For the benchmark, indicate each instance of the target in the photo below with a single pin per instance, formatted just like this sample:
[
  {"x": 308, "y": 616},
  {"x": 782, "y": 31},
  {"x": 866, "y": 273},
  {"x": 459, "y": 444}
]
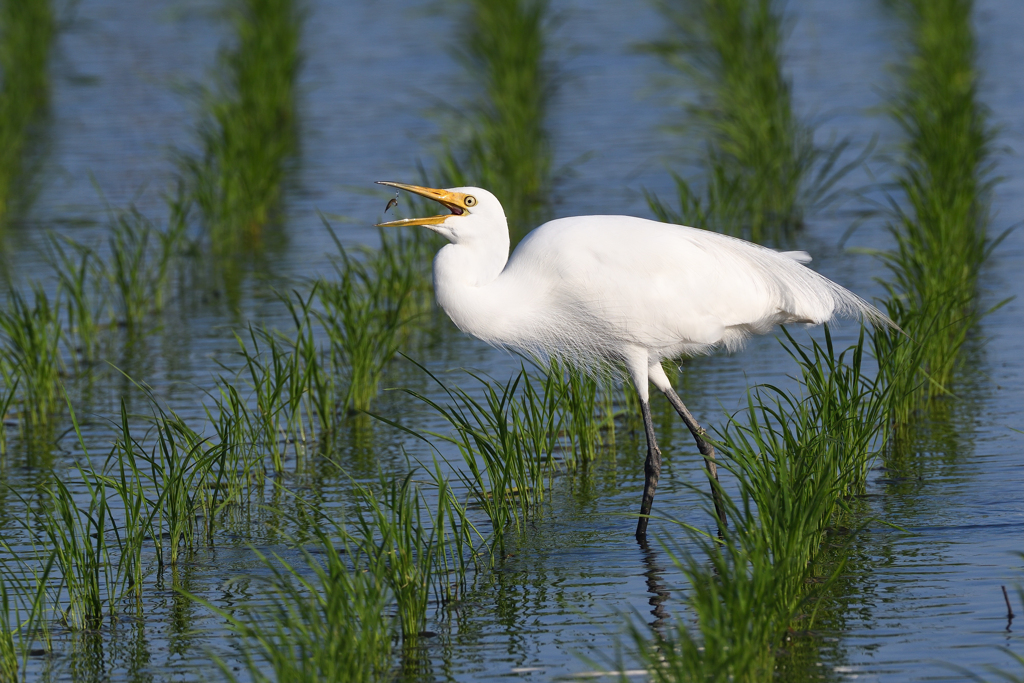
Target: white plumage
[
  {"x": 600, "y": 287},
  {"x": 593, "y": 290}
]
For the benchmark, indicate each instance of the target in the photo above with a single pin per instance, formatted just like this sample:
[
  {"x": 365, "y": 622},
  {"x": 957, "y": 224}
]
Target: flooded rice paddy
[{"x": 920, "y": 594}]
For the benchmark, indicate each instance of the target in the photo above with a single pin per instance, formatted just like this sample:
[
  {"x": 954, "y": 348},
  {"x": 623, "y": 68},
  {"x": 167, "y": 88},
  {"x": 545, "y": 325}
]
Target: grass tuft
[
  {"x": 23, "y": 606},
  {"x": 366, "y": 311},
  {"x": 31, "y": 361},
  {"x": 761, "y": 167},
  {"x": 27, "y": 29},
  {"x": 326, "y": 618},
  {"x": 505, "y": 146},
  {"x": 940, "y": 214},
  {"x": 250, "y": 127},
  {"x": 799, "y": 460}
]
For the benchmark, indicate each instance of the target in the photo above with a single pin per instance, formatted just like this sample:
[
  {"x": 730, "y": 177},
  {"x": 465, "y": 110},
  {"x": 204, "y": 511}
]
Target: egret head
[{"x": 474, "y": 213}]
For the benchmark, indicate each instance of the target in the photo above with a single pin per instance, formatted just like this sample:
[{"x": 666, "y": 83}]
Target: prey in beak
[{"x": 456, "y": 202}]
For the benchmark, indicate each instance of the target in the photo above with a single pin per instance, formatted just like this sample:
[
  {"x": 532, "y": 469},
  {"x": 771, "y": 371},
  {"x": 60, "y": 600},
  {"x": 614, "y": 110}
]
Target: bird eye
[{"x": 470, "y": 200}]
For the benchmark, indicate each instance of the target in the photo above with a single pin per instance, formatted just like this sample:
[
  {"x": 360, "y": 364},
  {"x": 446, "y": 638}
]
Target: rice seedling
[
  {"x": 509, "y": 438},
  {"x": 140, "y": 266},
  {"x": 157, "y": 506},
  {"x": 79, "y": 274},
  {"x": 578, "y": 394},
  {"x": 23, "y": 601},
  {"x": 30, "y": 356},
  {"x": 400, "y": 547},
  {"x": 798, "y": 460},
  {"x": 190, "y": 472},
  {"x": 940, "y": 214},
  {"x": 8, "y": 645},
  {"x": 506, "y": 146},
  {"x": 135, "y": 524},
  {"x": 577, "y": 405},
  {"x": 123, "y": 289},
  {"x": 505, "y": 478},
  {"x": 364, "y": 313},
  {"x": 294, "y": 393},
  {"x": 269, "y": 369},
  {"x": 178, "y": 473},
  {"x": 850, "y": 406},
  {"x": 319, "y": 391},
  {"x": 740, "y": 616},
  {"x": 78, "y": 537},
  {"x": 241, "y": 465},
  {"x": 249, "y": 128},
  {"x": 901, "y": 361},
  {"x": 27, "y": 28},
  {"x": 761, "y": 166},
  {"x": 794, "y": 478},
  {"x": 6, "y": 398},
  {"x": 455, "y": 544},
  {"x": 94, "y": 575},
  {"x": 327, "y": 618},
  {"x": 168, "y": 482},
  {"x": 539, "y": 418}
]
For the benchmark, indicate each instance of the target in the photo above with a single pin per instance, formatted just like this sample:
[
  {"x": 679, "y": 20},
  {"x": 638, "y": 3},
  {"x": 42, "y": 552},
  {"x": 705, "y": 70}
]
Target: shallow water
[{"x": 913, "y": 602}]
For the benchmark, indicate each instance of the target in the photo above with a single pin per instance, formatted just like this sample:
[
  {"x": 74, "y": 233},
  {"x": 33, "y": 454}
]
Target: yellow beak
[{"x": 453, "y": 200}]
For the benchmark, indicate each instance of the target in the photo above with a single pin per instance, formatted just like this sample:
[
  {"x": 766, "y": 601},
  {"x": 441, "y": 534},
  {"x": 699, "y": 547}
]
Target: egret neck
[{"x": 469, "y": 288}]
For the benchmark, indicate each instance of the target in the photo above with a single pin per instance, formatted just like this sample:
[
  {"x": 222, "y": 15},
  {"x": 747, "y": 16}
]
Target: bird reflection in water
[{"x": 654, "y": 574}]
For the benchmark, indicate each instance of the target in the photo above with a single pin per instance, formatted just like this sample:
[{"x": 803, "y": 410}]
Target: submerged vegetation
[
  {"x": 760, "y": 168},
  {"x": 27, "y": 29}
]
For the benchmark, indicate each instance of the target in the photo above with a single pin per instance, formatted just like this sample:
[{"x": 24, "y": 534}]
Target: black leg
[
  {"x": 652, "y": 470},
  {"x": 706, "y": 449}
]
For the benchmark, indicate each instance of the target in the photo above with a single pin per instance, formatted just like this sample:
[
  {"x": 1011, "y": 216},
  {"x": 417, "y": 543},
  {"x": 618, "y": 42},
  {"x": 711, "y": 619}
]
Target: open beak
[{"x": 453, "y": 201}]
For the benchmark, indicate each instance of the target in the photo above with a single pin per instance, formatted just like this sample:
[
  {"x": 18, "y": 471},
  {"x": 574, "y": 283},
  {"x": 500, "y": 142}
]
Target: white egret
[{"x": 593, "y": 290}]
